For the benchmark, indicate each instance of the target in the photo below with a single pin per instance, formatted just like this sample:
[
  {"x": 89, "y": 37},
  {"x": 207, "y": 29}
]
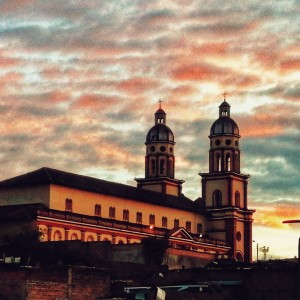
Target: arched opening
[
  {"x": 161, "y": 166},
  {"x": 152, "y": 166},
  {"x": 74, "y": 237},
  {"x": 139, "y": 217},
  {"x": 164, "y": 222},
  {"x": 152, "y": 220},
  {"x": 171, "y": 168},
  {"x": 69, "y": 205},
  {"x": 228, "y": 162},
  {"x": 188, "y": 226},
  {"x": 199, "y": 228},
  {"x": 239, "y": 257},
  {"x": 98, "y": 210},
  {"x": 217, "y": 199},
  {"x": 112, "y": 213},
  {"x": 176, "y": 223},
  {"x": 126, "y": 215},
  {"x": 90, "y": 238},
  {"x": 218, "y": 157},
  {"x": 237, "y": 199},
  {"x": 57, "y": 236}
]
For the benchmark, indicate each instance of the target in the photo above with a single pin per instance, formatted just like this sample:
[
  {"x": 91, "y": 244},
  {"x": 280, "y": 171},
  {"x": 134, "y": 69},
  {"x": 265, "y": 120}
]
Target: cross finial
[
  {"x": 160, "y": 102},
  {"x": 224, "y": 95}
]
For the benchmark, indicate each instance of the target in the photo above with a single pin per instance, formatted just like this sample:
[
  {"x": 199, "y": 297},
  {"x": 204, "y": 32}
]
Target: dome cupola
[
  {"x": 160, "y": 132},
  {"x": 224, "y": 125},
  {"x": 224, "y": 142},
  {"x": 160, "y": 158}
]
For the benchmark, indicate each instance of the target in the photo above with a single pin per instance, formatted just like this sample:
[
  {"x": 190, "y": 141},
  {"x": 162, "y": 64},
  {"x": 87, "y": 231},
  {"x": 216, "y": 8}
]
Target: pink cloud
[
  {"x": 137, "y": 85},
  {"x": 292, "y": 64},
  {"x": 195, "y": 72},
  {"x": 95, "y": 102}
]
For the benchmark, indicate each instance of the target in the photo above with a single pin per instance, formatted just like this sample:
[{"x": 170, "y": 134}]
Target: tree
[{"x": 22, "y": 242}]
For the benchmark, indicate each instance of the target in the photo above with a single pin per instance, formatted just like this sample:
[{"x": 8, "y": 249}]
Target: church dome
[
  {"x": 160, "y": 133},
  {"x": 224, "y": 125}
]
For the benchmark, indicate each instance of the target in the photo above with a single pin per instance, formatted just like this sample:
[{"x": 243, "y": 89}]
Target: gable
[{"x": 180, "y": 233}]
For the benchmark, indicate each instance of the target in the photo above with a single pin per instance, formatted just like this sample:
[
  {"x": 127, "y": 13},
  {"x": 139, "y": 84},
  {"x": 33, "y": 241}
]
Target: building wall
[
  {"x": 84, "y": 203},
  {"x": 211, "y": 186}
]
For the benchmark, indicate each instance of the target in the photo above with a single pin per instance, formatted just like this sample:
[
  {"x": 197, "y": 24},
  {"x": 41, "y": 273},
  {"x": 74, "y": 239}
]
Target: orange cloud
[
  {"x": 275, "y": 213},
  {"x": 195, "y": 72},
  {"x": 211, "y": 48},
  {"x": 58, "y": 97},
  {"x": 95, "y": 102},
  {"x": 292, "y": 64},
  {"x": 137, "y": 85}
]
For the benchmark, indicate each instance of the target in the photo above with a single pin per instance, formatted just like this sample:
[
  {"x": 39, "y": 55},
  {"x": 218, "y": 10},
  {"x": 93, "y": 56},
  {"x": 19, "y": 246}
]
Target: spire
[
  {"x": 160, "y": 115},
  {"x": 160, "y": 102},
  {"x": 224, "y": 108}
]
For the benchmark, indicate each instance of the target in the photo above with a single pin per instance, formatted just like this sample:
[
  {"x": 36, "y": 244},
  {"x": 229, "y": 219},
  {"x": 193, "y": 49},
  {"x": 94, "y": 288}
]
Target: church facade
[{"x": 66, "y": 206}]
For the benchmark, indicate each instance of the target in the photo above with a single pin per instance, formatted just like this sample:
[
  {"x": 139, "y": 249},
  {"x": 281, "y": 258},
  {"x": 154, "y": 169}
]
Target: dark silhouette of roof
[{"x": 47, "y": 176}]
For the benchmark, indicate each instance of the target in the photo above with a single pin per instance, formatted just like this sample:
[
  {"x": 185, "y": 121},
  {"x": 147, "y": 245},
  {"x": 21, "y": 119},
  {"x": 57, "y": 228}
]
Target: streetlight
[{"x": 256, "y": 251}]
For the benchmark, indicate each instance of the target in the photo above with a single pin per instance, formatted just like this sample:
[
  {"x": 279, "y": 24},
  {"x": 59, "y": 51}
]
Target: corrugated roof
[{"x": 52, "y": 176}]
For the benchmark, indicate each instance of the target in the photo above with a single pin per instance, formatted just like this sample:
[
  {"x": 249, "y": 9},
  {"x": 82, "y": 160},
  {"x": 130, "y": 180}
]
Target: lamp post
[{"x": 256, "y": 251}]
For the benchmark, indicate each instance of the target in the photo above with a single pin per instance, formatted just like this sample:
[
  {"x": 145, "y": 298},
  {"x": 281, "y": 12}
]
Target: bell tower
[
  {"x": 160, "y": 158},
  {"x": 224, "y": 188}
]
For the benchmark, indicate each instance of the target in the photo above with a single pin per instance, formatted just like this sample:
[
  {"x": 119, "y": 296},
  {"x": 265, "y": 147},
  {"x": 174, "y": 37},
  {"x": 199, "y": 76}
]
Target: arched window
[
  {"x": 162, "y": 166},
  {"x": 218, "y": 162},
  {"x": 199, "y": 228},
  {"x": 153, "y": 166},
  {"x": 139, "y": 217},
  {"x": 69, "y": 205},
  {"x": 176, "y": 223},
  {"x": 112, "y": 213},
  {"x": 237, "y": 199},
  {"x": 90, "y": 238},
  {"x": 57, "y": 236},
  {"x": 171, "y": 168},
  {"x": 126, "y": 215},
  {"x": 164, "y": 222},
  {"x": 74, "y": 237},
  {"x": 152, "y": 220},
  {"x": 217, "y": 198},
  {"x": 228, "y": 162},
  {"x": 239, "y": 257},
  {"x": 188, "y": 226},
  {"x": 98, "y": 210}
]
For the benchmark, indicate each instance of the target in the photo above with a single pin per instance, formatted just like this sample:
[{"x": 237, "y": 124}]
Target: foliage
[{"x": 22, "y": 242}]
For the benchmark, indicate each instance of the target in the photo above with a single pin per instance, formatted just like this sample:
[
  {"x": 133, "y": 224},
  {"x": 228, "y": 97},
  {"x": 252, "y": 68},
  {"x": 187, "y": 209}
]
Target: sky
[{"x": 80, "y": 82}]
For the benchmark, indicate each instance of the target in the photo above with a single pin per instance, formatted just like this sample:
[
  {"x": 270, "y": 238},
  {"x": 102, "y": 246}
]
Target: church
[{"x": 66, "y": 206}]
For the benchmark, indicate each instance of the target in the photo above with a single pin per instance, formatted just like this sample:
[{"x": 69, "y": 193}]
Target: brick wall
[{"x": 53, "y": 283}]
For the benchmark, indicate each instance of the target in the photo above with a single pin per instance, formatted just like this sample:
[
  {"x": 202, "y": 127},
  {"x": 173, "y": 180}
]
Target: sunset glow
[{"x": 80, "y": 82}]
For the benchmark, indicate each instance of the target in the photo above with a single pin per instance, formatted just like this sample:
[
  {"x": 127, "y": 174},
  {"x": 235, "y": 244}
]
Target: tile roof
[{"x": 52, "y": 176}]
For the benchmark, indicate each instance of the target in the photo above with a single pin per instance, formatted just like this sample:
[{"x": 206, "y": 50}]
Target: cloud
[{"x": 80, "y": 82}]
